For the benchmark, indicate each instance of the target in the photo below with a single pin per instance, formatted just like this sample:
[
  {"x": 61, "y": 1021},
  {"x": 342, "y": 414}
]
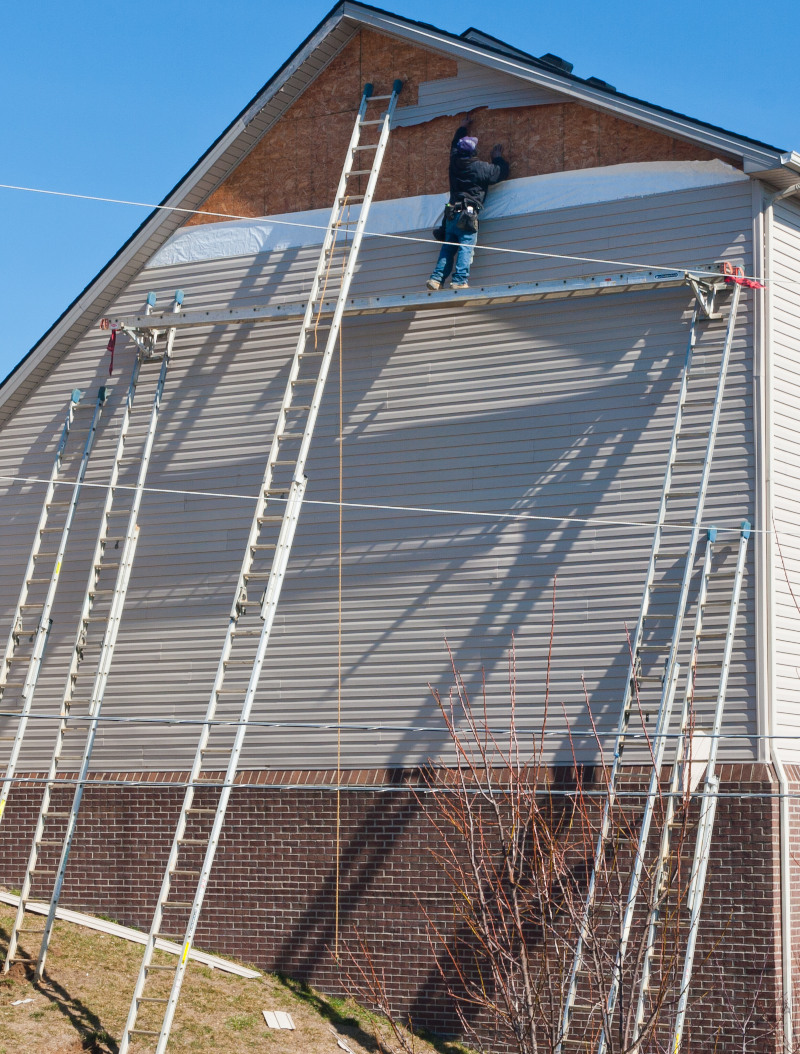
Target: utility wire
[
  {"x": 374, "y": 506},
  {"x": 381, "y": 234}
]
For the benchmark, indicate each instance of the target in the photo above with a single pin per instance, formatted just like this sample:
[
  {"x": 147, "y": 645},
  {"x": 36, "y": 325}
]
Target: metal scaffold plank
[{"x": 705, "y": 278}]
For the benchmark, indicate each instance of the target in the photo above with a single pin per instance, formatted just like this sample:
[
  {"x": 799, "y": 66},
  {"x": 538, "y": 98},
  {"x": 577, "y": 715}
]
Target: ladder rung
[
  {"x": 193, "y": 841},
  {"x": 359, "y": 172},
  {"x": 178, "y": 937},
  {"x": 344, "y": 201},
  {"x": 364, "y": 124},
  {"x": 154, "y": 966},
  {"x": 205, "y": 812},
  {"x": 151, "y": 999},
  {"x": 367, "y": 146},
  {"x": 176, "y": 903},
  {"x": 378, "y": 98},
  {"x": 142, "y": 1032}
]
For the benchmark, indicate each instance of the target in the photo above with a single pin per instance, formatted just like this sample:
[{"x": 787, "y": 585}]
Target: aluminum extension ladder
[
  {"x": 654, "y": 669},
  {"x": 31, "y": 622},
  {"x": 263, "y": 569},
  {"x": 682, "y": 788},
  {"x": 103, "y": 603}
]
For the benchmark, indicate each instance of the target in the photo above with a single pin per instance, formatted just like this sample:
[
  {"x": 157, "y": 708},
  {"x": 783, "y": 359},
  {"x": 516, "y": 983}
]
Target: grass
[{"x": 83, "y": 1003}]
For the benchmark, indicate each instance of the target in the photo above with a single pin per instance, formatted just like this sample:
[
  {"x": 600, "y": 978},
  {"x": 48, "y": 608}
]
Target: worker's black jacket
[{"x": 469, "y": 177}]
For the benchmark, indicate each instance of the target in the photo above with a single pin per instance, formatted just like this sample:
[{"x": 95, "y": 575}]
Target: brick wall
[{"x": 272, "y": 897}]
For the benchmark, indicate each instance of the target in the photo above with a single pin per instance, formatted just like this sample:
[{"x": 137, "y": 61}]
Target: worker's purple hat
[{"x": 468, "y": 144}]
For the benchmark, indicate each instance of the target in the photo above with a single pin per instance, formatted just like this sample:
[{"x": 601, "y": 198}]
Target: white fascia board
[
  {"x": 601, "y": 100},
  {"x": 275, "y": 87}
]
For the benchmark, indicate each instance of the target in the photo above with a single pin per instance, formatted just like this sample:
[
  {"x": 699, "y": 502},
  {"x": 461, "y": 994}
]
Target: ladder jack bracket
[{"x": 705, "y": 295}]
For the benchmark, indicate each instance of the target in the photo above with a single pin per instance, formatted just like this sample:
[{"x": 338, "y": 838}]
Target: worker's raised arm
[
  {"x": 461, "y": 131},
  {"x": 499, "y": 165}
]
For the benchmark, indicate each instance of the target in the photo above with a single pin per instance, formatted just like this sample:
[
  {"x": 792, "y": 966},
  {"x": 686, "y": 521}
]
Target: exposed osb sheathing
[{"x": 297, "y": 164}]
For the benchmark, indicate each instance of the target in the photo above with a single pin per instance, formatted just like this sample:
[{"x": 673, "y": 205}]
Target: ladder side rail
[
  {"x": 710, "y": 797},
  {"x": 114, "y": 621},
  {"x": 347, "y": 277},
  {"x": 622, "y": 725},
  {"x": 665, "y": 706},
  {"x": 282, "y": 552},
  {"x": 296, "y": 489},
  {"x": 37, "y": 538},
  {"x": 675, "y": 794},
  {"x": 109, "y": 641},
  {"x": 695, "y": 899},
  {"x": 43, "y": 628}
]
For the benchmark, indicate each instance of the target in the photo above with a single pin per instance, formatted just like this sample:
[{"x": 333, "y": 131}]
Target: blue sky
[{"x": 119, "y": 100}]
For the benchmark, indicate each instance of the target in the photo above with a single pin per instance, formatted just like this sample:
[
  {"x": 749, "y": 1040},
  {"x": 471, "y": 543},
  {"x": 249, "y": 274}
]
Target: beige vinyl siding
[
  {"x": 561, "y": 411},
  {"x": 785, "y": 345}
]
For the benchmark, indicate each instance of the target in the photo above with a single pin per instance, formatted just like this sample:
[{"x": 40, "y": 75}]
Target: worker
[{"x": 469, "y": 181}]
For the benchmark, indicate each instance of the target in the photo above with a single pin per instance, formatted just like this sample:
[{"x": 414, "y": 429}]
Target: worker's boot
[
  {"x": 459, "y": 285},
  {"x": 434, "y": 284}
]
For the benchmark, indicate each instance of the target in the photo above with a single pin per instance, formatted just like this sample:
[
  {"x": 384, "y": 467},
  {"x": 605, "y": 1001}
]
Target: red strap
[
  {"x": 749, "y": 283},
  {"x": 112, "y": 340}
]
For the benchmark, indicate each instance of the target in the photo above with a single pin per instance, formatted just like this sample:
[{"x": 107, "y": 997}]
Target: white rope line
[
  {"x": 395, "y": 237},
  {"x": 374, "y": 506}
]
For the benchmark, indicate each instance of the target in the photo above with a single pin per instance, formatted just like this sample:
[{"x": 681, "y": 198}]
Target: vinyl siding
[
  {"x": 560, "y": 412},
  {"x": 474, "y": 86},
  {"x": 785, "y": 345}
]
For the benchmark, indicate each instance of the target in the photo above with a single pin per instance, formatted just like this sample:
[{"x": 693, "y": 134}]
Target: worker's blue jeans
[{"x": 460, "y": 253}]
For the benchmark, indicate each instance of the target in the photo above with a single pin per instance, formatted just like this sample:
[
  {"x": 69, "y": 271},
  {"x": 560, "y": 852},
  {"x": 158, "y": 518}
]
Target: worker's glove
[{"x": 497, "y": 151}]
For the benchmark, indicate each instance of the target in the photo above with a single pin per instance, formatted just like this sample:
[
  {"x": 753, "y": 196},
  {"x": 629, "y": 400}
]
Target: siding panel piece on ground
[{"x": 548, "y": 417}]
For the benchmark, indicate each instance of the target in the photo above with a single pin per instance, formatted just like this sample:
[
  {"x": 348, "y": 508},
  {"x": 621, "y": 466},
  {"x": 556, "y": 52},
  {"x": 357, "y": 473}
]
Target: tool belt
[{"x": 466, "y": 217}]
